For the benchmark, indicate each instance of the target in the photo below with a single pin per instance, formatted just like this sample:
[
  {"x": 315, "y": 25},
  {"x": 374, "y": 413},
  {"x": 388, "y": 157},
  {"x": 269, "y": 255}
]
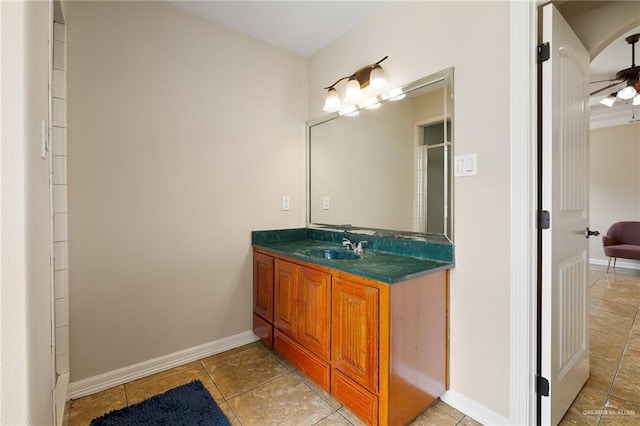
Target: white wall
[
  {"x": 182, "y": 138},
  {"x": 422, "y": 38},
  {"x": 615, "y": 181},
  {"x": 25, "y": 306}
]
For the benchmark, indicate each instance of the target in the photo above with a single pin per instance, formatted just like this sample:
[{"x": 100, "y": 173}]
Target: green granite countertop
[{"x": 384, "y": 259}]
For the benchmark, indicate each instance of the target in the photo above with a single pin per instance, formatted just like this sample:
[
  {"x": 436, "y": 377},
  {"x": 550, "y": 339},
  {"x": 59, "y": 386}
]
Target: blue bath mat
[{"x": 186, "y": 405}]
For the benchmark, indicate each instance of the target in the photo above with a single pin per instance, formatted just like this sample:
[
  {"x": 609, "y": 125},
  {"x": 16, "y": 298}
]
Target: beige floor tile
[
  {"x": 586, "y": 408},
  {"x": 605, "y": 354},
  {"x": 468, "y": 421},
  {"x": 148, "y": 379},
  {"x": 634, "y": 337},
  {"x": 317, "y": 389},
  {"x": 352, "y": 418},
  {"x": 615, "y": 303},
  {"x": 231, "y": 415},
  {"x": 627, "y": 382},
  {"x": 85, "y": 409},
  {"x": 595, "y": 275},
  {"x": 434, "y": 417},
  {"x": 240, "y": 371},
  {"x": 600, "y": 377},
  {"x": 620, "y": 413},
  {"x": 335, "y": 419},
  {"x": 610, "y": 328},
  {"x": 137, "y": 392},
  {"x": 284, "y": 401},
  {"x": 447, "y": 409}
]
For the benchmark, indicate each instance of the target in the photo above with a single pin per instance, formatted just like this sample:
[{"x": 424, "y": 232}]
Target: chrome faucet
[{"x": 356, "y": 248}]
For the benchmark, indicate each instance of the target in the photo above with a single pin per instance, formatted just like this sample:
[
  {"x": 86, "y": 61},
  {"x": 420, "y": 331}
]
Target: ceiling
[{"x": 305, "y": 27}]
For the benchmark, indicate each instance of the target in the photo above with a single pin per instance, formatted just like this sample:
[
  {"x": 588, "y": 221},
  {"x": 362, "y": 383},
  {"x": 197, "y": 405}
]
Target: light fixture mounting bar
[{"x": 362, "y": 75}]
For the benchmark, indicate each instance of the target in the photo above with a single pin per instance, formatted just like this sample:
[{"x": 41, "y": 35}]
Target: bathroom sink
[{"x": 333, "y": 254}]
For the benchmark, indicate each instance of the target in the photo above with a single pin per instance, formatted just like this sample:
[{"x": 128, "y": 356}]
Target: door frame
[{"x": 523, "y": 24}]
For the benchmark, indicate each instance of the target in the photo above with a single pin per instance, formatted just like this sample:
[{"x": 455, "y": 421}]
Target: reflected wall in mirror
[{"x": 388, "y": 168}]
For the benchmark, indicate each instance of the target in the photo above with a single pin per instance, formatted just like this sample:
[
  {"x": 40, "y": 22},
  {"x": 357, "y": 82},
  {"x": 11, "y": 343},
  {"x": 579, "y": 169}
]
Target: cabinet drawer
[
  {"x": 263, "y": 329},
  {"x": 360, "y": 401},
  {"x": 318, "y": 370}
]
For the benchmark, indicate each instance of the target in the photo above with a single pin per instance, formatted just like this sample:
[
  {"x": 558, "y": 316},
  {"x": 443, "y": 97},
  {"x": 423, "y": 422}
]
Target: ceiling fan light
[
  {"x": 332, "y": 101},
  {"x": 636, "y": 100},
  {"x": 609, "y": 100},
  {"x": 377, "y": 78},
  {"x": 627, "y": 93},
  {"x": 352, "y": 92}
]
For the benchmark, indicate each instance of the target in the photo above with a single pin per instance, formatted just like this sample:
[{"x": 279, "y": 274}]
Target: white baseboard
[
  {"x": 620, "y": 263},
  {"x": 473, "y": 409},
  {"x": 123, "y": 375},
  {"x": 60, "y": 397}
]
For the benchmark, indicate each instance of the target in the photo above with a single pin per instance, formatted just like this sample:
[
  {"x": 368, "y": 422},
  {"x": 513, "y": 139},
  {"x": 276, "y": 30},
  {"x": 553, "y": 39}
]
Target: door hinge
[
  {"x": 542, "y": 386},
  {"x": 544, "y": 219},
  {"x": 544, "y": 52}
]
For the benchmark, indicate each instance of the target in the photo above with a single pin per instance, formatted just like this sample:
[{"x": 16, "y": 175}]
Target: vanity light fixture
[{"x": 369, "y": 75}]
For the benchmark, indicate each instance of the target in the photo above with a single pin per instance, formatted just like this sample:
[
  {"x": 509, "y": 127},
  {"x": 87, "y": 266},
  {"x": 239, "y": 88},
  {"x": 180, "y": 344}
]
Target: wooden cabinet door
[
  {"x": 314, "y": 311},
  {"x": 355, "y": 334},
  {"x": 286, "y": 298},
  {"x": 263, "y": 286}
]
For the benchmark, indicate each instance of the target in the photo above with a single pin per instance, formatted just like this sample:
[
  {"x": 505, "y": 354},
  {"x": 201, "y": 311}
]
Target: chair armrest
[{"x": 608, "y": 241}]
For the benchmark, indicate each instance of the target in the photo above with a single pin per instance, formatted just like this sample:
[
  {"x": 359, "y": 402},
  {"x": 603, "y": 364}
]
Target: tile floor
[
  {"x": 611, "y": 396},
  {"x": 255, "y": 386}
]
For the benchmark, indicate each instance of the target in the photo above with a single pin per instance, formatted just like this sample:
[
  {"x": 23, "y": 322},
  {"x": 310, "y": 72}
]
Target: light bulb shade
[
  {"x": 352, "y": 92},
  {"x": 609, "y": 100},
  {"x": 377, "y": 78},
  {"x": 636, "y": 100},
  {"x": 627, "y": 93},
  {"x": 332, "y": 101}
]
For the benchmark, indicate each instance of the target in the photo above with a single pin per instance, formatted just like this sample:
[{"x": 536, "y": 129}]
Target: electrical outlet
[
  {"x": 285, "y": 202},
  {"x": 326, "y": 203}
]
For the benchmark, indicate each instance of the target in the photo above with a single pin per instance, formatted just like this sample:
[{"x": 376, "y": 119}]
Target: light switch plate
[
  {"x": 285, "y": 203},
  {"x": 326, "y": 203},
  {"x": 465, "y": 165}
]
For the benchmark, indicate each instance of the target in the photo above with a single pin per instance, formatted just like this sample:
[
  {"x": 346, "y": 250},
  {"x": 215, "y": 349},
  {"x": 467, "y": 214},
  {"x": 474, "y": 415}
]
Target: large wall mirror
[{"x": 388, "y": 169}]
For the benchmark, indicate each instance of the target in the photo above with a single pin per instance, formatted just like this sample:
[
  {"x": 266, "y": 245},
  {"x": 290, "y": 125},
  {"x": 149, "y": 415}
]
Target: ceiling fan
[{"x": 629, "y": 76}]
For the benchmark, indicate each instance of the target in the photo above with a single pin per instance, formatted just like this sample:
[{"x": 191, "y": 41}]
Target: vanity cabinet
[{"x": 378, "y": 348}]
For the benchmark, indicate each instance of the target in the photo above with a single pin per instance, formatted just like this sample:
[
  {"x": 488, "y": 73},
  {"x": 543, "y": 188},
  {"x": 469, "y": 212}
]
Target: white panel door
[{"x": 565, "y": 194}]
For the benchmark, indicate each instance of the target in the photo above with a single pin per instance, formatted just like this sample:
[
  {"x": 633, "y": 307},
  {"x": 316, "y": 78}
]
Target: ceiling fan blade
[
  {"x": 604, "y": 81},
  {"x": 605, "y": 88}
]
